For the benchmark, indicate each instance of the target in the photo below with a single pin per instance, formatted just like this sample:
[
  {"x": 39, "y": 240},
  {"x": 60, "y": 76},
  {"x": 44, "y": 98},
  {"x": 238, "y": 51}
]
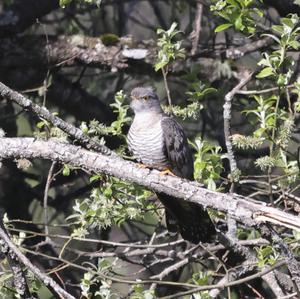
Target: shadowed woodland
[{"x": 79, "y": 217}]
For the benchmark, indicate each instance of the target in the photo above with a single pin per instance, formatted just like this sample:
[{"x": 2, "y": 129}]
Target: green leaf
[
  {"x": 297, "y": 2},
  {"x": 294, "y": 44},
  {"x": 239, "y": 23},
  {"x": 66, "y": 170},
  {"x": 278, "y": 28},
  {"x": 223, "y": 27},
  {"x": 63, "y": 3},
  {"x": 266, "y": 72}
]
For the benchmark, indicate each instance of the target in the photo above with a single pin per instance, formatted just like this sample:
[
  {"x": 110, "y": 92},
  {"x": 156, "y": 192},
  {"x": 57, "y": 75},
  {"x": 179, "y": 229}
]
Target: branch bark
[
  {"x": 49, "y": 282},
  {"x": 19, "y": 277},
  {"x": 249, "y": 212},
  {"x": 126, "y": 54},
  {"x": 43, "y": 113}
]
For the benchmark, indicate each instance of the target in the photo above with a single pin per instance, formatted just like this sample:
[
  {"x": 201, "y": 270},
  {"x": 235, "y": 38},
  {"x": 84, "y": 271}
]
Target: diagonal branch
[
  {"x": 249, "y": 212},
  {"x": 49, "y": 282},
  {"x": 44, "y": 113},
  {"x": 19, "y": 277}
]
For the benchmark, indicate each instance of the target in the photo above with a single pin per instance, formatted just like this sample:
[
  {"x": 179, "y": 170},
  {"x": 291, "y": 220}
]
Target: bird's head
[{"x": 144, "y": 99}]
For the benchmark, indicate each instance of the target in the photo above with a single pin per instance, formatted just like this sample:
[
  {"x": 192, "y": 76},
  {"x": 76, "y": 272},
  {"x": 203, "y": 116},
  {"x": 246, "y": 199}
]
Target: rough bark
[{"x": 244, "y": 210}]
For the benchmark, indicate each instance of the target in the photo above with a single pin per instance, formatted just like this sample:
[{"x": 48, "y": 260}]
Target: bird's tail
[{"x": 191, "y": 220}]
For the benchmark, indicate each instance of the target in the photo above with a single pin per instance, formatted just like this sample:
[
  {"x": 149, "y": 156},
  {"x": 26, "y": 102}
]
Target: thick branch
[
  {"x": 244, "y": 210},
  {"x": 237, "y": 52},
  {"x": 124, "y": 54}
]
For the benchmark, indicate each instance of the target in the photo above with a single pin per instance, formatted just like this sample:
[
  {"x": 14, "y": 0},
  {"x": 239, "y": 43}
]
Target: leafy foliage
[
  {"x": 112, "y": 203},
  {"x": 207, "y": 164},
  {"x": 169, "y": 50},
  {"x": 95, "y": 128},
  {"x": 267, "y": 255},
  {"x": 274, "y": 124},
  {"x": 197, "y": 92},
  {"x": 240, "y": 14},
  {"x": 278, "y": 64},
  {"x": 92, "y": 280},
  {"x": 64, "y": 3}
]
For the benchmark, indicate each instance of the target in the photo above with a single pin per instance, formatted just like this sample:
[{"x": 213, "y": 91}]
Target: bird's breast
[{"x": 146, "y": 142}]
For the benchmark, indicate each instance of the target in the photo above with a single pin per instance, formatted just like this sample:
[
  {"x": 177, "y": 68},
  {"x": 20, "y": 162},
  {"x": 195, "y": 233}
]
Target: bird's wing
[
  {"x": 192, "y": 220},
  {"x": 177, "y": 149}
]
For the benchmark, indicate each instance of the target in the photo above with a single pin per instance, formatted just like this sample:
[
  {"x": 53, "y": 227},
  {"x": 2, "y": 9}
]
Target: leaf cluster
[
  {"x": 95, "y": 128},
  {"x": 208, "y": 162},
  {"x": 240, "y": 14},
  {"x": 267, "y": 255},
  {"x": 112, "y": 203},
  {"x": 64, "y": 3},
  {"x": 197, "y": 92},
  {"x": 277, "y": 64},
  {"x": 168, "y": 49},
  {"x": 92, "y": 285}
]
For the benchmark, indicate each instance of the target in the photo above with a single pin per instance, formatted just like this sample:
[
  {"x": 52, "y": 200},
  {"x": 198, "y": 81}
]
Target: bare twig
[
  {"x": 165, "y": 73},
  {"x": 237, "y": 52},
  {"x": 227, "y": 118},
  {"x": 229, "y": 284},
  {"x": 45, "y": 201},
  {"x": 267, "y": 90}
]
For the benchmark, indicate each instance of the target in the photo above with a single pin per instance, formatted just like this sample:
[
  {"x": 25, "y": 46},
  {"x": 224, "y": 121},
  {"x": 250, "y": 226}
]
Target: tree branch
[
  {"x": 49, "y": 282},
  {"x": 247, "y": 211},
  {"x": 43, "y": 113},
  {"x": 19, "y": 277}
]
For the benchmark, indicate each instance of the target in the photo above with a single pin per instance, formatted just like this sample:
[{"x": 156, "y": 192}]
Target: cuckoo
[{"x": 158, "y": 141}]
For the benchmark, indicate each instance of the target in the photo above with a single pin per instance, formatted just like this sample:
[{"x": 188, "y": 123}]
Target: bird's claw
[{"x": 167, "y": 171}]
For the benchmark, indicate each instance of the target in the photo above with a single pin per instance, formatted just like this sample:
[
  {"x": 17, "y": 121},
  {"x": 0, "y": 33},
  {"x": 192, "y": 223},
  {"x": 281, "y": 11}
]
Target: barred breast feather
[{"x": 146, "y": 141}]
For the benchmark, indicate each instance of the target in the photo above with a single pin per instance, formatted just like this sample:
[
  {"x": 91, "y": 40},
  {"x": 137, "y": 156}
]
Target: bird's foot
[
  {"x": 167, "y": 171},
  {"x": 140, "y": 165}
]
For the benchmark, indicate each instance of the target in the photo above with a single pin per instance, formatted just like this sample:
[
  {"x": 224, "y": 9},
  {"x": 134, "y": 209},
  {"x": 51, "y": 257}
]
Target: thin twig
[
  {"x": 165, "y": 73},
  {"x": 227, "y": 118},
  {"x": 267, "y": 90},
  {"x": 45, "y": 200},
  {"x": 229, "y": 284}
]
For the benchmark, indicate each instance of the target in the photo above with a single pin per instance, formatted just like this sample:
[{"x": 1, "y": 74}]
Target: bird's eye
[{"x": 145, "y": 98}]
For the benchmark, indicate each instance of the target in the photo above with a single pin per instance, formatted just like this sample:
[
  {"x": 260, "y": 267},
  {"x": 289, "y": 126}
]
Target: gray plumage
[{"x": 159, "y": 142}]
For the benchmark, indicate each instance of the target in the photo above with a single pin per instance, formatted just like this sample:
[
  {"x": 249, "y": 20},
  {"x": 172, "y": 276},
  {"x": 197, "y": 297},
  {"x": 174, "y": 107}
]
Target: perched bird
[{"x": 158, "y": 141}]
